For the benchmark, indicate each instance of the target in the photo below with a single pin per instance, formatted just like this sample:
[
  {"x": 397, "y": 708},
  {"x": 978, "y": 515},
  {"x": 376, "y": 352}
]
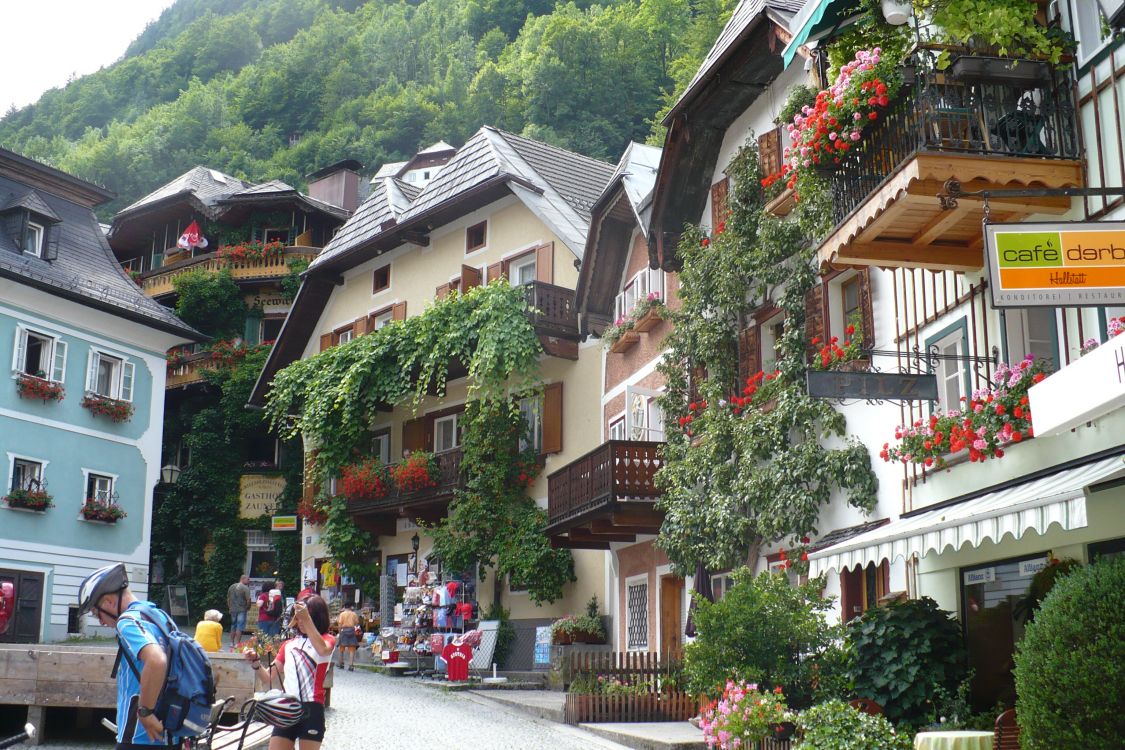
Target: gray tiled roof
[
  {"x": 209, "y": 186},
  {"x": 32, "y": 202},
  {"x": 85, "y": 268},
  {"x": 273, "y": 186},
  {"x": 473, "y": 163},
  {"x": 577, "y": 178}
]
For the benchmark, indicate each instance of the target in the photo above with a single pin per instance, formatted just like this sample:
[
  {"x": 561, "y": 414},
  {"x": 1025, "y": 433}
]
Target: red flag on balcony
[{"x": 192, "y": 237}]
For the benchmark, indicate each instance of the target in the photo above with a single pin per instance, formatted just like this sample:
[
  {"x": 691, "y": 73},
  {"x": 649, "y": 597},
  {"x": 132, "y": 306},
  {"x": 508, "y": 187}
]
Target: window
[
  {"x": 99, "y": 488},
  {"x": 617, "y": 429},
  {"x": 861, "y": 589},
  {"x": 381, "y": 446},
  {"x": 270, "y": 329},
  {"x": 849, "y": 300},
  {"x": 382, "y": 280},
  {"x": 344, "y": 335},
  {"x": 262, "y": 453},
  {"x": 644, "y": 283},
  {"x": 1090, "y": 29},
  {"x": 636, "y": 608},
  {"x": 531, "y": 411},
  {"x": 476, "y": 237},
  {"x": 447, "y": 434},
  {"x": 109, "y": 376},
  {"x": 522, "y": 270},
  {"x": 1107, "y": 550},
  {"x": 1031, "y": 330},
  {"x": 375, "y": 321},
  {"x": 951, "y": 345},
  {"x": 40, "y": 355},
  {"x": 272, "y": 234},
  {"x": 721, "y": 584},
  {"x": 772, "y": 331},
  {"x": 26, "y": 474},
  {"x": 33, "y": 239}
]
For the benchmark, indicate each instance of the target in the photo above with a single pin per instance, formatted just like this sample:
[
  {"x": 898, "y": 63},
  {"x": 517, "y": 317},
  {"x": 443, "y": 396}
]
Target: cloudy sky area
[{"x": 61, "y": 38}]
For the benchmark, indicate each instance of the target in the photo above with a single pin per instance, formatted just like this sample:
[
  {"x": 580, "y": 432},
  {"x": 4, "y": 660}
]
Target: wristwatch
[{"x": 144, "y": 712}]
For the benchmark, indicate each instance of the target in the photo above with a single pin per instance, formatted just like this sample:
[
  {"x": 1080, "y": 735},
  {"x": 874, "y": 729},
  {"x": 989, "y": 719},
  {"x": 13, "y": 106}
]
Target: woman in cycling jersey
[{"x": 300, "y": 667}]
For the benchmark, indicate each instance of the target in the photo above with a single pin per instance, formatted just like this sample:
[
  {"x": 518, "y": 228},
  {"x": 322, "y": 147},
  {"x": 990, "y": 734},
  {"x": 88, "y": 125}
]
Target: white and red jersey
[{"x": 303, "y": 669}]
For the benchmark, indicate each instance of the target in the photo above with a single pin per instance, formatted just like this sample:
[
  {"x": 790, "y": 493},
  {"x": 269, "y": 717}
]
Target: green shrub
[
  {"x": 505, "y": 636},
  {"x": 903, "y": 653},
  {"x": 764, "y": 631},
  {"x": 837, "y": 726},
  {"x": 1070, "y": 665}
]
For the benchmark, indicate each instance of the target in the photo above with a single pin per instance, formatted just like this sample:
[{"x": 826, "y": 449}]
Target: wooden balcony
[
  {"x": 607, "y": 495},
  {"x": 159, "y": 283},
  {"x": 429, "y": 504},
  {"x": 555, "y": 318},
  {"x": 189, "y": 371},
  {"x": 985, "y": 130}
]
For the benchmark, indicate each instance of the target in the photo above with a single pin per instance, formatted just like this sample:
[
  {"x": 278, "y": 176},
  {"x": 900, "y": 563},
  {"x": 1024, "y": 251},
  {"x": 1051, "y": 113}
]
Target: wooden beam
[
  {"x": 925, "y": 192},
  {"x": 561, "y": 542},
  {"x": 608, "y": 527},
  {"x": 940, "y": 224},
  {"x": 416, "y": 238},
  {"x": 637, "y": 517},
  {"x": 908, "y": 255},
  {"x": 581, "y": 535}
]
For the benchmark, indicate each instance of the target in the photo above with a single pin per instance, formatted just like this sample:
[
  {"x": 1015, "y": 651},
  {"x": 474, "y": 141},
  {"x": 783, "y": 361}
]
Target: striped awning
[{"x": 1058, "y": 498}]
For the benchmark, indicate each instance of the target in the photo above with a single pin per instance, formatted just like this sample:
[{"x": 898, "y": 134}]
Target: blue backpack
[{"x": 184, "y": 703}]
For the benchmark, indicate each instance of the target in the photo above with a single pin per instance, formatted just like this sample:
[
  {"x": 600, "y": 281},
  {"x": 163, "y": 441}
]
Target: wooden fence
[
  {"x": 618, "y": 708},
  {"x": 654, "y": 683}
]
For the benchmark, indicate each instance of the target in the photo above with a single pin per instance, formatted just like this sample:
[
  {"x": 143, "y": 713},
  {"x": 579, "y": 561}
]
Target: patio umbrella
[{"x": 703, "y": 588}]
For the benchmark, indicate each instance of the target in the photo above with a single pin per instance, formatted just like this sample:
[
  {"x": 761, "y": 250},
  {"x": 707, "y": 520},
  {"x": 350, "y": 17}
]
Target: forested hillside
[{"x": 277, "y": 88}]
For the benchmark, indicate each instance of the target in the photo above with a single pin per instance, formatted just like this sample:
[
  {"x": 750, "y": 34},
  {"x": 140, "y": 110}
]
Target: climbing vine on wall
[{"x": 741, "y": 470}]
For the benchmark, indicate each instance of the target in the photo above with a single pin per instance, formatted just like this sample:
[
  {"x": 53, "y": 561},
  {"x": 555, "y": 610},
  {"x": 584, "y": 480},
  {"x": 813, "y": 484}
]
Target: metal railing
[
  {"x": 615, "y": 470},
  {"x": 557, "y": 314},
  {"x": 978, "y": 106}
]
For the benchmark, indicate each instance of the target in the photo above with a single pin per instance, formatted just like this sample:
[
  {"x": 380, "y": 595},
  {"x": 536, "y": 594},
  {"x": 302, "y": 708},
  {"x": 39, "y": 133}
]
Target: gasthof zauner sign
[
  {"x": 1056, "y": 264},
  {"x": 259, "y": 493}
]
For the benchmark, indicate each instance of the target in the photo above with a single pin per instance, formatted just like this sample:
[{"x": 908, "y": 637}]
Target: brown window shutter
[
  {"x": 398, "y": 311},
  {"x": 495, "y": 271},
  {"x": 470, "y": 277},
  {"x": 553, "y": 418},
  {"x": 749, "y": 355},
  {"x": 442, "y": 291},
  {"x": 769, "y": 151},
  {"x": 814, "y": 316},
  {"x": 851, "y": 594},
  {"x": 309, "y": 488},
  {"x": 867, "y": 311},
  {"x": 545, "y": 263},
  {"x": 326, "y": 341},
  {"x": 359, "y": 327},
  {"x": 719, "y": 201},
  {"x": 414, "y": 435}
]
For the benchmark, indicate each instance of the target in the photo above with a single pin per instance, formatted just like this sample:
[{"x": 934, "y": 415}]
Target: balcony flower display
[
  {"x": 175, "y": 358},
  {"x": 116, "y": 409},
  {"x": 831, "y": 355},
  {"x": 366, "y": 480},
  {"x": 252, "y": 252},
  {"x": 38, "y": 500},
  {"x": 97, "y": 510},
  {"x": 993, "y": 419},
  {"x": 822, "y": 134},
  {"x": 640, "y": 318},
  {"x": 743, "y": 716},
  {"x": 32, "y": 386},
  {"x": 417, "y": 472},
  {"x": 612, "y": 334},
  {"x": 1114, "y": 327},
  {"x": 309, "y": 510}
]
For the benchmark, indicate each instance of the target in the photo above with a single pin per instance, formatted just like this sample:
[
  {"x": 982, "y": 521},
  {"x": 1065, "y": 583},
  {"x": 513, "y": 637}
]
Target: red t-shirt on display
[{"x": 457, "y": 660}]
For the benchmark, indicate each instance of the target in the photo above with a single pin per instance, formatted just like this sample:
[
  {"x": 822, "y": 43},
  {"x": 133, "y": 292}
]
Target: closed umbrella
[{"x": 703, "y": 588}]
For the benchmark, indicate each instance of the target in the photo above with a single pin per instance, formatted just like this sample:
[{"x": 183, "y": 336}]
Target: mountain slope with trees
[{"x": 267, "y": 89}]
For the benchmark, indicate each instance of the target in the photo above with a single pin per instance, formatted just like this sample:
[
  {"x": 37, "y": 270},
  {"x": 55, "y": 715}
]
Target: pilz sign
[
  {"x": 871, "y": 386},
  {"x": 1059, "y": 264}
]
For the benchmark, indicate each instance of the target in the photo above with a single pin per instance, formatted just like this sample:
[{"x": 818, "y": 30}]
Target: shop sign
[
  {"x": 1056, "y": 264},
  {"x": 283, "y": 523},
  {"x": 1031, "y": 567},
  {"x": 871, "y": 386},
  {"x": 258, "y": 493},
  {"x": 981, "y": 575},
  {"x": 1089, "y": 387},
  {"x": 406, "y": 524},
  {"x": 543, "y": 645}
]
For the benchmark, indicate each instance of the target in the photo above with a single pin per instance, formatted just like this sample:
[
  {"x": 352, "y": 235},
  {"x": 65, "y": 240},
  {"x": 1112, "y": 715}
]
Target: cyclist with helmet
[
  {"x": 300, "y": 666},
  {"x": 105, "y": 593}
]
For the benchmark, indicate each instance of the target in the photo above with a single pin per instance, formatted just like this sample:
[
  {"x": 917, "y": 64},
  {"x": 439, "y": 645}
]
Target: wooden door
[
  {"x": 671, "y": 615},
  {"x": 24, "y": 625}
]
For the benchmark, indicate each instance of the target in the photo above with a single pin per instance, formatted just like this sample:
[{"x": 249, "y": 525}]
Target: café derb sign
[
  {"x": 1056, "y": 264},
  {"x": 871, "y": 386}
]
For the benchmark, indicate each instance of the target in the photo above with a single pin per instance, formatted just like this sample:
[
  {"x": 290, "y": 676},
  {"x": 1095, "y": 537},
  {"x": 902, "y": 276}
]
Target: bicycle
[{"x": 27, "y": 734}]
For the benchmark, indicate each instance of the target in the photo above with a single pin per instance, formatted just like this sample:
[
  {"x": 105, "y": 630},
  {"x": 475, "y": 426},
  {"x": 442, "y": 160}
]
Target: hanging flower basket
[
  {"x": 30, "y": 386},
  {"x": 417, "y": 472},
  {"x": 36, "y": 500},
  {"x": 624, "y": 342},
  {"x": 366, "y": 480},
  {"x": 95, "y": 510},
  {"x": 311, "y": 511},
  {"x": 115, "y": 409}
]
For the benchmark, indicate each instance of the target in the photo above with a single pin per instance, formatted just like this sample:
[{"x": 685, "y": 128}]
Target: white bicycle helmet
[
  {"x": 278, "y": 709},
  {"x": 111, "y": 579}
]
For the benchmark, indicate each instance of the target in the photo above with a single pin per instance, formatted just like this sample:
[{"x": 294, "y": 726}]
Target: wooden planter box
[
  {"x": 580, "y": 709},
  {"x": 626, "y": 342},
  {"x": 648, "y": 321},
  {"x": 999, "y": 70}
]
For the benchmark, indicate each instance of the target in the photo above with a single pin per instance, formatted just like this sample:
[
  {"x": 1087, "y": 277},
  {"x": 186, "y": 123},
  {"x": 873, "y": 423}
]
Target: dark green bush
[
  {"x": 903, "y": 653},
  {"x": 765, "y": 631},
  {"x": 1070, "y": 665},
  {"x": 835, "y": 725}
]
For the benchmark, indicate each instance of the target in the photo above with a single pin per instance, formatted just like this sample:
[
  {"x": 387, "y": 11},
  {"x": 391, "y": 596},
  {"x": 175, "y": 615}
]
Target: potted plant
[
  {"x": 743, "y": 716},
  {"x": 38, "y": 386},
  {"x": 116, "y": 409},
  {"x": 620, "y": 336},
  {"x": 37, "y": 500},
  {"x": 1008, "y": 31},
  {"x": 588, "y": 628},
  {"x": 648, "y": 312},
  {"x": 563, "y": 630},
  {"x": 104, "y": 511},
  {"x": 366, "y": 480}
]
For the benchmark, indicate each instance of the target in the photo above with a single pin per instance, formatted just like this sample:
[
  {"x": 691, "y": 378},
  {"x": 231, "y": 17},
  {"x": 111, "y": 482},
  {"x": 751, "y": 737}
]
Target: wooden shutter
[
  {"x": 398, "y": 311},
  {"x": 749, "y": 355},
  {"x": 814, "y": 316},
  {"x": 851, "y": 594},
  {"x": 545, "y": 263},
  {"x": 414, "y": 435},
  {"x": 495, "y": 271},
  {"x": 470, "y": 277},
  {"x": 442, "y": 291},
  {"x": 553, "y": 418},
  {"x": 867, "y": 311},
  {"x": 719, "y": 202},
  {"x": 769, "y": 151},
  {"x": 325, "y": 341},
  {"x": 359, "y": 327},
  {"x": 51, "y": 234}
]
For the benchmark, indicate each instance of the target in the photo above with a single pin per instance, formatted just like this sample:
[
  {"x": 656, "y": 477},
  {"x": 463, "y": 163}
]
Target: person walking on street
[
  {"x": 105, "y": 592},
  {"x": 209, "y": 631},
  {"x": 301, "y": 665},
  {"x": 270, "y": 607},
  {"x": 348, "y": 621},
  {"x": 238, "y": 604}
]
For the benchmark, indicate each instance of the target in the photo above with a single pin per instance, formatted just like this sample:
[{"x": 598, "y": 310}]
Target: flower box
[
  {"x": 626, "y": 342},
  {"x": 115, "y": 409},
  {"x": 783, "y": 204},
  {"x": 94, "y": 510},
  {"x": 36, "y": 501},
  {"x": 30, "y": 386},
  {"x": 998, "y": 70},
  {"x": 648, "y": 321}
]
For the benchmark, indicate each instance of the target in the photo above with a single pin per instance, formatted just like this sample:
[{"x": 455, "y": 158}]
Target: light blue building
[{"x": 81, "y": 415}]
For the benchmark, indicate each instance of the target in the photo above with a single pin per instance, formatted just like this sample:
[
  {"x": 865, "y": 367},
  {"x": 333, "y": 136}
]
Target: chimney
[{"x": 337, "y": 184}]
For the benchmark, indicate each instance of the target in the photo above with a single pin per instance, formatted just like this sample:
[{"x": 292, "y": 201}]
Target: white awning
[{"x": 1058, "y": 498}]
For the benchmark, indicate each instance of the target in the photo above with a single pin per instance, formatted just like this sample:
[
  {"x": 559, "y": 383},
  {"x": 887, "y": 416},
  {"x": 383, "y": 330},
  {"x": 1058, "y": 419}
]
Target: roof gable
[{"x": 30, "y": 201}]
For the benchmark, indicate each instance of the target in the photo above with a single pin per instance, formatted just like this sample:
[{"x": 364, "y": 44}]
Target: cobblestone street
[{"x": 374, "y": 712}]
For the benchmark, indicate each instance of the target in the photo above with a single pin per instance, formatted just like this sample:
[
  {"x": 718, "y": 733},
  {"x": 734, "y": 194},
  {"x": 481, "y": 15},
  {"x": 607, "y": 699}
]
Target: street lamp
[
  {"x": 414, "y": 542},
  {"x": 170, "y": 474}
]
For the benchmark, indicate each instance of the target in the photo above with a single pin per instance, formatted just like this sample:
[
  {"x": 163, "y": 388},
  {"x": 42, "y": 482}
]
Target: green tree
[{"x": 210, "y": 302}]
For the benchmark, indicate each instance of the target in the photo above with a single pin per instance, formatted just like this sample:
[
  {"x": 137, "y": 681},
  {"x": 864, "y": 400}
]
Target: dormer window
[
  {"x": 33, "y": 239},
  {"x": 29, "y": 223}
]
